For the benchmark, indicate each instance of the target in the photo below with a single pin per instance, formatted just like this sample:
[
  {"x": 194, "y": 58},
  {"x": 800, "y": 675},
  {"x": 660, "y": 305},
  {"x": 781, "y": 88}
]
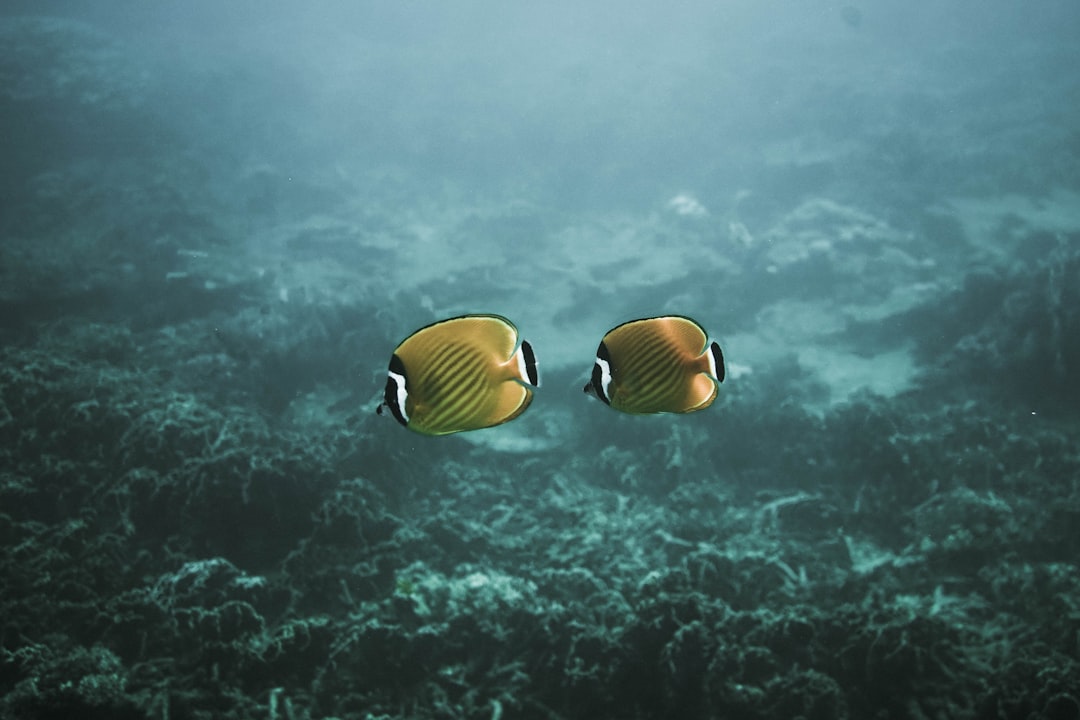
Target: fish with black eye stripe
[
  {"x": 657, "y": 365},
  {"x": 460, "y": 374},
  {"x": 474, "y": 372}
]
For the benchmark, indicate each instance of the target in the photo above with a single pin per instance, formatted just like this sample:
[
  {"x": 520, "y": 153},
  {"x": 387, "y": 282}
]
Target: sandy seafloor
[{"x": 217, "y": 225}]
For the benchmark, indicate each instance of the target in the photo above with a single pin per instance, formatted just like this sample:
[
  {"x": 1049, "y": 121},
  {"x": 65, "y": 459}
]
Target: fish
[
  {"x": 460, "y": 374},
  {"x": 657, "y": 365}
]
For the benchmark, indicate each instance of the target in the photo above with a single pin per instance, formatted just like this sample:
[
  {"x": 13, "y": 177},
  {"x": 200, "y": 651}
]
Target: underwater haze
[{"x": 219, "y": 220}]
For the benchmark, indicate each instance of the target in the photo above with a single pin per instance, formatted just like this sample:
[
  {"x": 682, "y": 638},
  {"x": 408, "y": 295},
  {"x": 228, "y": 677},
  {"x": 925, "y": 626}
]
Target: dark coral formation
[
  {"x": 170, "y": 550},
  {"x": 201, "y": 517}
]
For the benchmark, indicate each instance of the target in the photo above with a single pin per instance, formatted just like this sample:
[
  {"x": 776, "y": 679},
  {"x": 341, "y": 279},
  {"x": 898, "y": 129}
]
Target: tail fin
[
  {"x": 716, "y": 362},
  {"x": 526, "y": 361}
]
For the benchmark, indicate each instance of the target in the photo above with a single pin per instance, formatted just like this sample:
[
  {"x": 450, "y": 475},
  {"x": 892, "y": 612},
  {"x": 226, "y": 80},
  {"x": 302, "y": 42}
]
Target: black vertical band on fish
[
  {"x": 529, "y": 360},
  {"x": 601, "y": 373},
  {"x": 464, "y": 373},
  {"x": 396, "y": 390},
  {"x": 657, "y": 365}
]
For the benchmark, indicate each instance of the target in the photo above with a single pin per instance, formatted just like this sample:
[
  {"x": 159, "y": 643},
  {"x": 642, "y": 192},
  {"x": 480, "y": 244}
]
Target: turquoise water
[{"x": 217, "y": 223}]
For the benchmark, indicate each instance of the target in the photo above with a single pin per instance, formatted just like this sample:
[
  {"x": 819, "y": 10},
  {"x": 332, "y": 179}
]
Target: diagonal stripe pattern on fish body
[
  {"x": 657, "y": 365},
  {"x": 465, "y": 373}
]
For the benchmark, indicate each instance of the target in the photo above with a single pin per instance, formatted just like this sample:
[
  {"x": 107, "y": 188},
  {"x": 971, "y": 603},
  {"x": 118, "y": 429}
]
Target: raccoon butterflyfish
[
  {"x": 657, "y": 365},
  {"x": 464, "y": 373}
]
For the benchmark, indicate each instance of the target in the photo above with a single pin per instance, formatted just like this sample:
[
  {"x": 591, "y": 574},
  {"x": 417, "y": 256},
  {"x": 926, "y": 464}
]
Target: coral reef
[{"x": 201, "y": 517}]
